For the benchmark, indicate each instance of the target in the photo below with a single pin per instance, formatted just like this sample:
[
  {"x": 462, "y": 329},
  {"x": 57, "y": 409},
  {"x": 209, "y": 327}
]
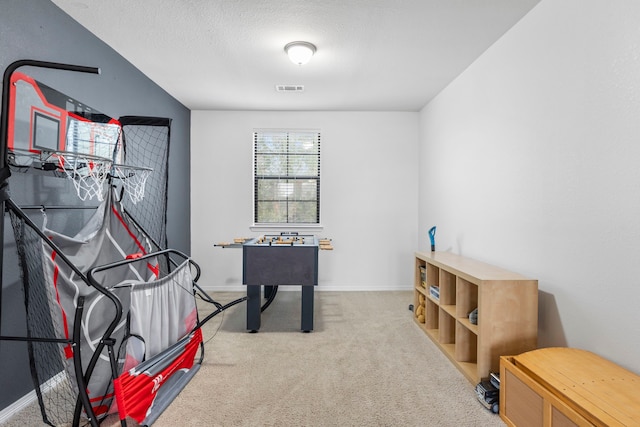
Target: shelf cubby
[
  {"x": 433, "y": 273},
  {"x": 432, "y": 315},
  {"x": 447, "y": 288},
  {"x": 420, "y": 264},
  {"x": 466, "y": 297},
  {"x": 466, "y": 344},
  {"x": 447, "y": 334}
]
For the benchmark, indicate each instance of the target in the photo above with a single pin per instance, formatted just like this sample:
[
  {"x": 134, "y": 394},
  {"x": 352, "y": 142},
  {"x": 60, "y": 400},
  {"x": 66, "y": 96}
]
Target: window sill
[{"x": 286, "y": 227}]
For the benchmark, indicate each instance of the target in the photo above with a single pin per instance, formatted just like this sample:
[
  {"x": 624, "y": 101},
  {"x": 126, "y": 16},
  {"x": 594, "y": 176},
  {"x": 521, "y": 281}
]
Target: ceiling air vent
[{"x": 289, "y": 88}]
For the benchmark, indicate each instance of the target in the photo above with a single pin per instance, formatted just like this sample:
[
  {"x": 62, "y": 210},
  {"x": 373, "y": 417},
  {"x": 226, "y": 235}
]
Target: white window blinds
[{"x": 286, "y": 177}]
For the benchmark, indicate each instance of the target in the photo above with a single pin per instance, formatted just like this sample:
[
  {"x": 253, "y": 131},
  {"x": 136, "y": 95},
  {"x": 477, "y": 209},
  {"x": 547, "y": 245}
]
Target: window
[{"x": 286, "y": 177}]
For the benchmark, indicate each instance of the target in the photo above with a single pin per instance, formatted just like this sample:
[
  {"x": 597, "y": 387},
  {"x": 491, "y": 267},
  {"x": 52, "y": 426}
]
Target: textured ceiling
[{"x": 392, "y": 55}]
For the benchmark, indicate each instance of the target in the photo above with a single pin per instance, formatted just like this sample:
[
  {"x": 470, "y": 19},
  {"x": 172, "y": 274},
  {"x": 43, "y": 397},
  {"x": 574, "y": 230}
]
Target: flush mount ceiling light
[{"x": 300, "y": 52}]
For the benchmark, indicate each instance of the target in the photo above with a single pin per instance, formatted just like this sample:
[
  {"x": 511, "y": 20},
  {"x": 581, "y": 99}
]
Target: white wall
[
  {"x": 369, "y": 184},
  {"x": 530, "y": 160}
]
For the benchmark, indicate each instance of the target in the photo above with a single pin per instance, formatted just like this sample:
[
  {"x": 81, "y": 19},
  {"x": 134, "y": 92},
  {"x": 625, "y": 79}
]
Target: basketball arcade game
[{"x": 101, "y": 337}]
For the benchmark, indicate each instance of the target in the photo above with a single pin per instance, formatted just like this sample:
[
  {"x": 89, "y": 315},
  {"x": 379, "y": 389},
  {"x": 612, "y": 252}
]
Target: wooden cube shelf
[{"x": 507, "y": 304}]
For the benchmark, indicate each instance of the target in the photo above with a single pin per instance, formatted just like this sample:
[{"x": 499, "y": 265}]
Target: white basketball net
[
  {"x": 133, "y": 180},
  {"x": 87, "y": 172}
]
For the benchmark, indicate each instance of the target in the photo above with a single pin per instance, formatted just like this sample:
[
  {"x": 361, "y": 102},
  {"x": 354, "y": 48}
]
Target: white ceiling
[{"x": 383, "y": 55}]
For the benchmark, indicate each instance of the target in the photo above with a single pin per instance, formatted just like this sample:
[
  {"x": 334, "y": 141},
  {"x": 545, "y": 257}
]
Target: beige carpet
[{"x": 365, "y": 364}]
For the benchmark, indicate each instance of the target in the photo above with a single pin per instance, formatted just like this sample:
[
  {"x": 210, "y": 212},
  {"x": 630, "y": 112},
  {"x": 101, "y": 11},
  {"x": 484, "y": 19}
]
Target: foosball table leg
[
  {"x": 307, "y": 309},
  {"x": 254, "y": 301}
]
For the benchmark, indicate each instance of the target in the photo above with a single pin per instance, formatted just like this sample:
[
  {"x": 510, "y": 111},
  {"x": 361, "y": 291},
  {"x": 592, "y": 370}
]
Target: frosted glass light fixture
[{"x": 300, "y": 52}]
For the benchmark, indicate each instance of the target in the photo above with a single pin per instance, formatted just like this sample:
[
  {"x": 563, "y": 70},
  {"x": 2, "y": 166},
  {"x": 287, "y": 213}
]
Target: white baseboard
[
  {"x": 7, "y": 413},
  {"x": 319, "y": 288}
]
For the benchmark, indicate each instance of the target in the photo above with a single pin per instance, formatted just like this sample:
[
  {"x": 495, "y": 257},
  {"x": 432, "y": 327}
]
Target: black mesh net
[
  {"x": 50, "y": 351},
  {"x": 57, "y": 393},
  {"x": 146, "y": 144}
]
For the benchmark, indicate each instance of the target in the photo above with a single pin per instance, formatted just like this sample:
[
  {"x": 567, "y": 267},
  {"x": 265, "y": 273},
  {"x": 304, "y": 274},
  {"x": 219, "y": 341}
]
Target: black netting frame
[
  {"x": 146, "y": 144},
  {"x": 61, "y": 396},
  {"x": 44, "y": 356}
]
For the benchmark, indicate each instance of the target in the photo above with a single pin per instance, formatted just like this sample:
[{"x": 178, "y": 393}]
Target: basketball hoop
[
  {"x": 133, "y": 180},
  {"x": 86, "y": 171}
]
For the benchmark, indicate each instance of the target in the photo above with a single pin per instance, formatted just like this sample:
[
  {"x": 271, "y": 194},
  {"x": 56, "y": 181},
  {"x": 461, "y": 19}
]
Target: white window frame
[{"x": 257, "y": 226}]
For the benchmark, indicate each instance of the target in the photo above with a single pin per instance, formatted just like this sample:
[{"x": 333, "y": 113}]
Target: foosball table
[{"x": 285, "y": 259}]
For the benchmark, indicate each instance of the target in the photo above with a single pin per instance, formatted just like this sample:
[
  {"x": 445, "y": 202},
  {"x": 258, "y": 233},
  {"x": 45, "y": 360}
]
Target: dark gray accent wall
[{"x": 39, "y": 30}]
